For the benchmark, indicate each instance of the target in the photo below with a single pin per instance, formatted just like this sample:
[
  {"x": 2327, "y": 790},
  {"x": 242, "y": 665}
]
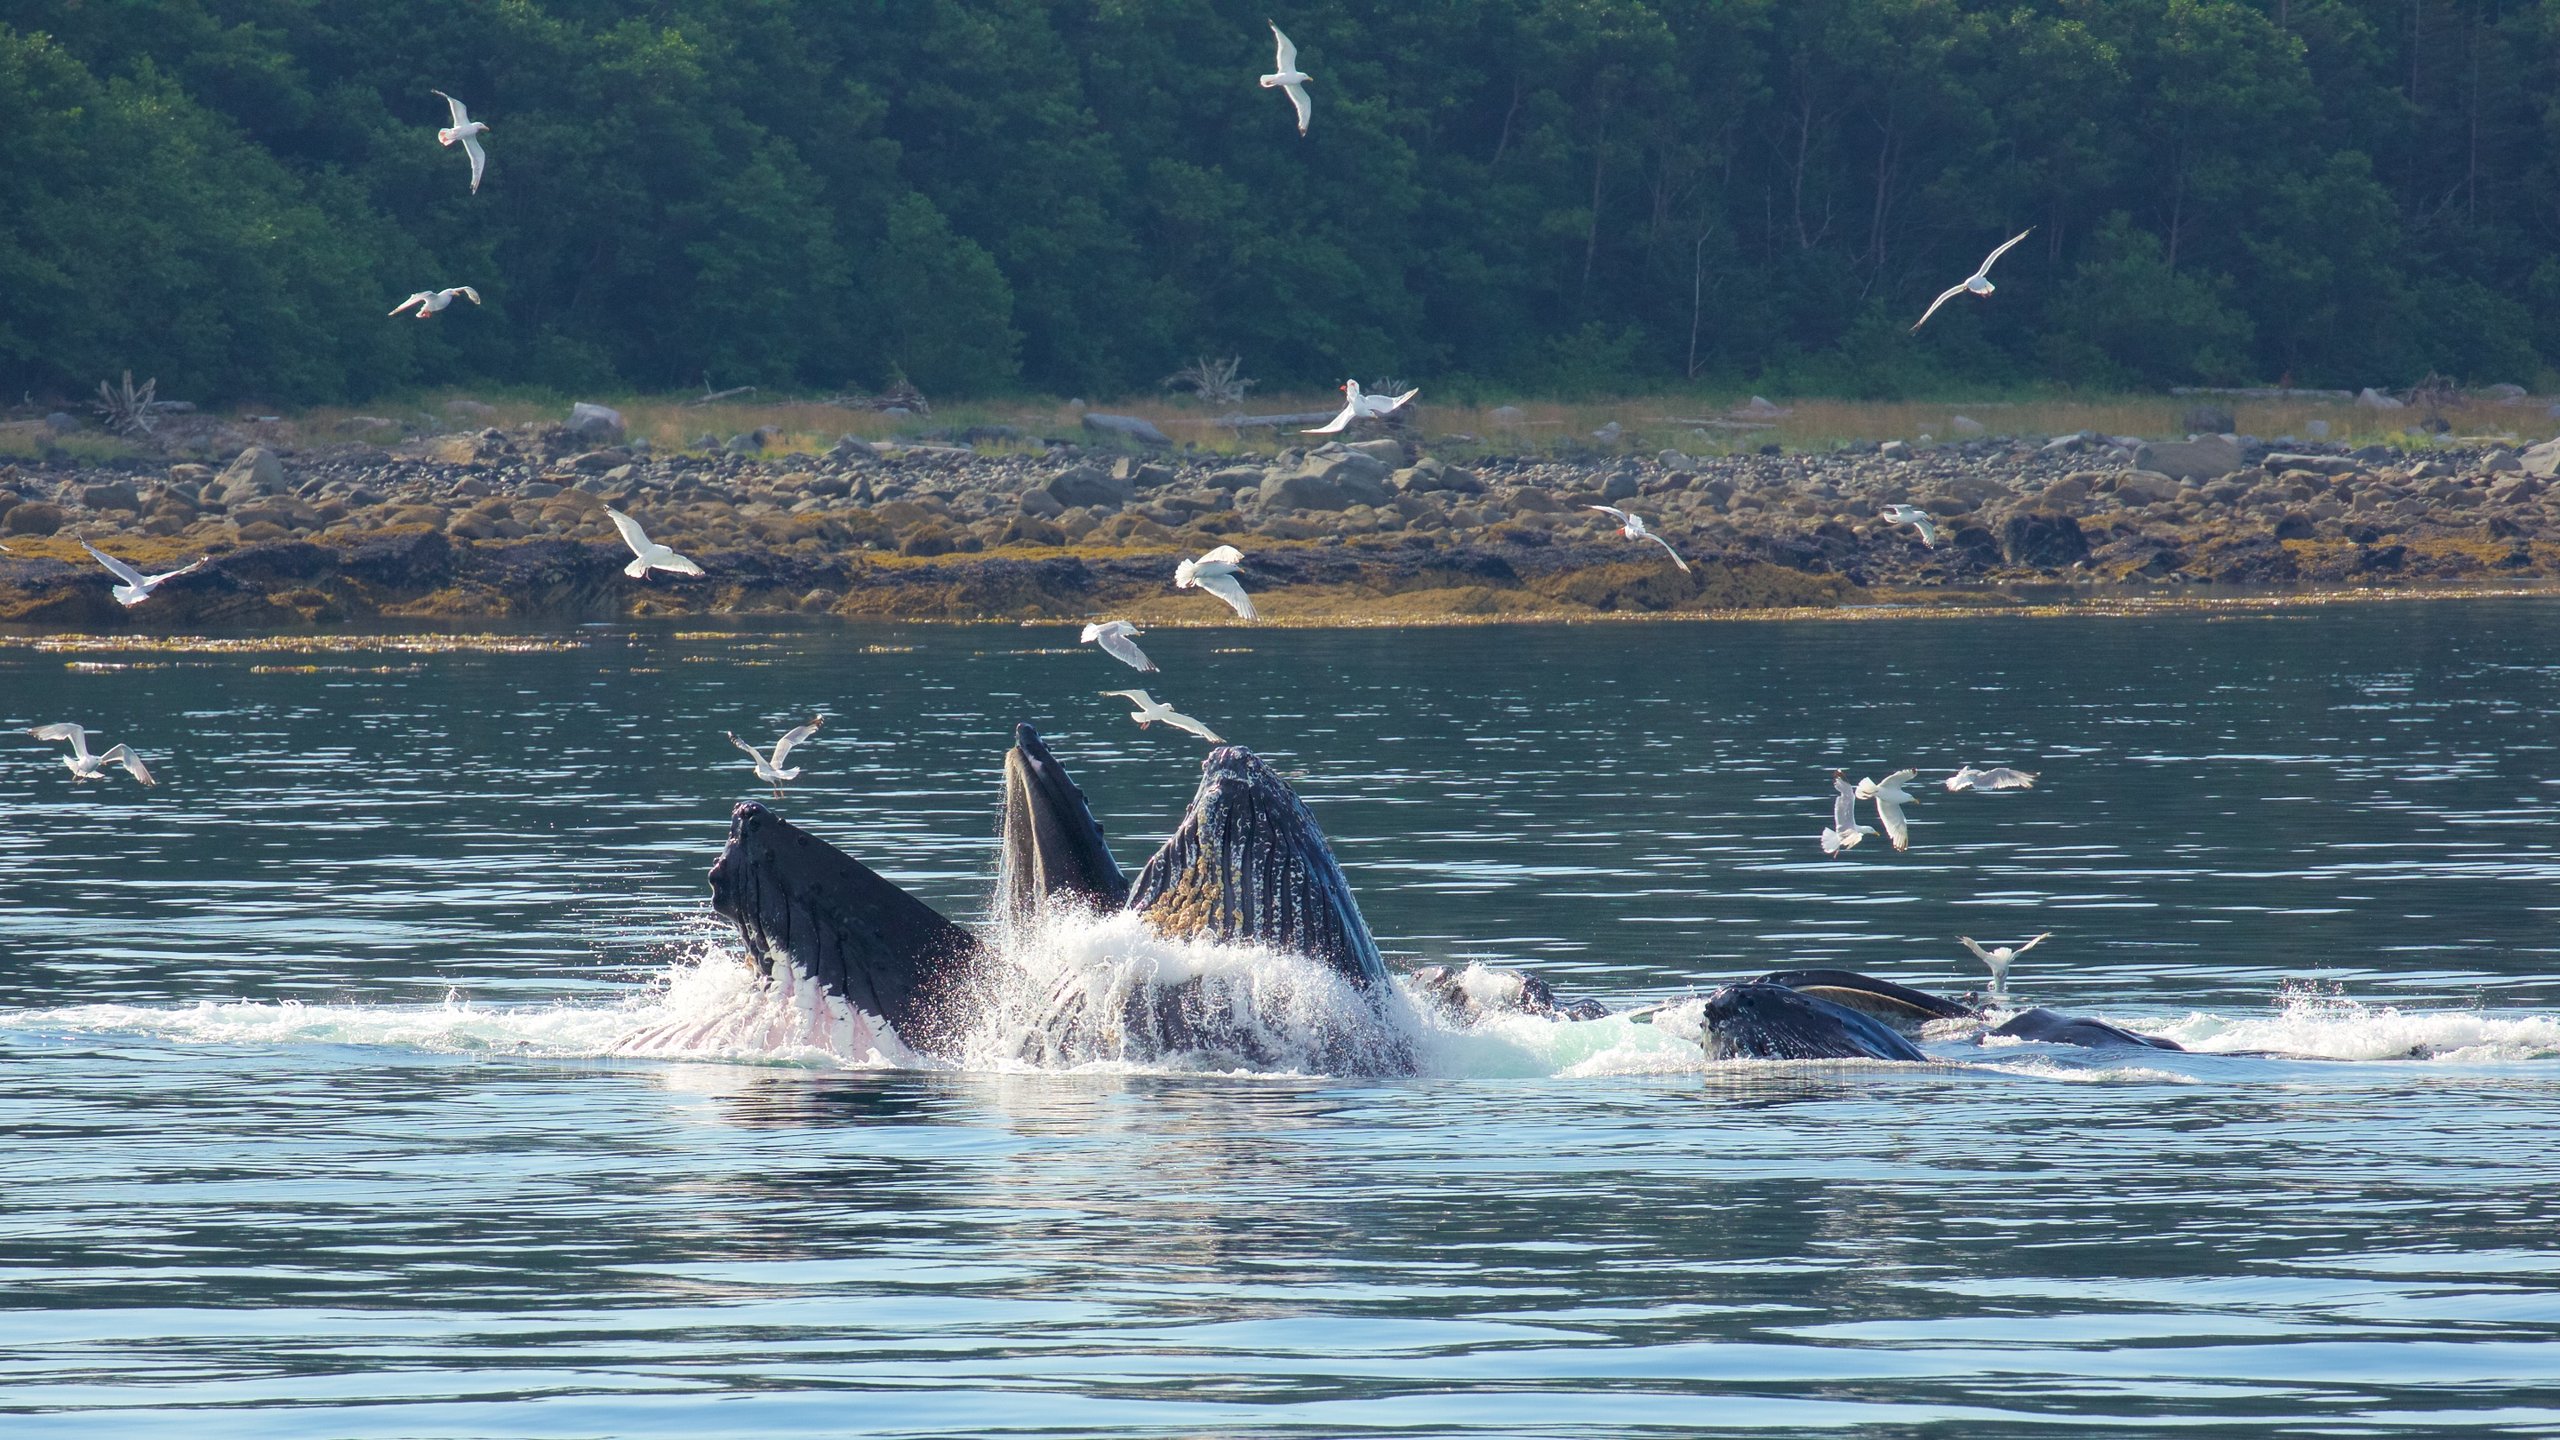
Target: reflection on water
[{"x": 316, "y": 1124}]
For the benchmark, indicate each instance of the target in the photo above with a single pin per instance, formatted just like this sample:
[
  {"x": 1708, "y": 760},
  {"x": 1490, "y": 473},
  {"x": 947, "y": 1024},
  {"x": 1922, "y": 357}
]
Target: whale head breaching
[
  {"x": 1053, "y": 847},
  {"x": 1247, "y": 866}
]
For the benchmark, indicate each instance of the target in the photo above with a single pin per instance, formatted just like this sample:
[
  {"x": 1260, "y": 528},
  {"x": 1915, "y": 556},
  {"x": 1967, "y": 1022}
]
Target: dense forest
[{"x": 1076, "y": 196}]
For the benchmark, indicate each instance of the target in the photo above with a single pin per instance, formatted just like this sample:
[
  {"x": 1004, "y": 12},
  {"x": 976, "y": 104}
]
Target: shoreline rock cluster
[{"x": 511, "y": 523}]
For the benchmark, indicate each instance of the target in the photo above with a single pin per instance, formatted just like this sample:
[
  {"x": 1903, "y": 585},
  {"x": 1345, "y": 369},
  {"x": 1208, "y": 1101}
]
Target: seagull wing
[
  {"x": 782, "y": 747},
  {"x": 2030, "y": 945},
  {"x": 1298, "y": 97},
  {"x": 1389, "y": 407},
  {"x": 1985, "y": 272},
  {"x": 752, "y": 752},
  {"x": 119, "y": 569},
  {"x": 1227, "y": 588},
  {"x": 1928, "y": 532},
  {"x": 466, "y": 292},
  {"x": 1223, "y": 555},
  {"x": 1898, "y": 779},
  {"x": 1180, "y": 721},
  {"x": 174, "y": 574},
  {"x": 1889, "y": 814},
  {"x": 65, "y": 730},
  {"x": 1288, "y": 50},
  {"x": 632, "y": 534},
  {"x": 1667, "y": 550},
  {"x": 1963, "y": 778},
  {"x": 479, "y": 162},
  {"x": 1117, "y": 644},
  {"x": 1844, "y": 805},
  {"x": 1612, "y": 511},
  {"x": 1135, "y": 697},
  {"x": 1951, "y": 292},
  {"x": 418, "y": 299},
  {"x": 1967, "y": 942},
  {"x": 461, "y": 116},
  {"x": 1334, "y": 426},
  {"x": 2005, "y": 778},
  {"x": 131, "y": 762}
]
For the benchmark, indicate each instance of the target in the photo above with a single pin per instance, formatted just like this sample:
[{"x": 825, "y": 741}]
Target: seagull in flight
[
  {"x": 647, "y": 554},
  {"x": 137, "y": 587},
  {"x": 1998, "y": 957},
  {"x": 1359, "y": 405},
  {"x": 1979, "y": 282},
  {"x": 468, "y": 131},
  {"x": 1215, "y": 572},
  {"x": 1150, "y": 710},
  {"x": 1889, "y": 798},
  {"x": 1289, "y": 76},
  {"x": 431, "y": 301},
  {"x": 1118, "y": 640},
  {"x": 85, "y": 766},
  {"x": 1999, "y": 777},
  {"x": 1916, "y": 518},
  {"x": 1633, "y": 527},
  {"x": 769, "y": 767},
  {"x": 1844, "y": 832}
]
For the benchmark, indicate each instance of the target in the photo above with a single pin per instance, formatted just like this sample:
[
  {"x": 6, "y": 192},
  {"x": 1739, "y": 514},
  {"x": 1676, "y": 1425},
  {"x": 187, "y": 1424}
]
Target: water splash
[{"x": 2327, "y": 1024}]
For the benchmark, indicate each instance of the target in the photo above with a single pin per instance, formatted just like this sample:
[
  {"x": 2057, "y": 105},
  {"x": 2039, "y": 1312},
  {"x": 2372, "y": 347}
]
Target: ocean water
[{"x": 383, "y": 1073}]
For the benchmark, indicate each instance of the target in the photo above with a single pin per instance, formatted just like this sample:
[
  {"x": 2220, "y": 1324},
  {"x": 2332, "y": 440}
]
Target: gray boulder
[
  {"x": 1894, "y": 450},
  {"x": 1965, "y": 425},
  {"x": 2208, "y": 420},
  {"x": 595, "y": 422},
  {"x": 1145, "y": 475},
  {"x": 1091, "y": 486},
  {"x": 852, "y": 447},
  {"x": 255, "y": 473},
  {"x": 62, "y": 422},
  {"x": 1041, "y": 505},
  {"x": 113, "y": 495},
  {"x": 2542, "y": 461},
  {"x": 2210, "y": 458},
  {"x": 1302, "y": 491},
  {"x": 1619, "y": 486},
  {"x": 1235, "y": 477},
  {"x": 2145, "y": 487},
  {"x": 1126, "y": 427},
  {"x": 2372, "y": 399}
]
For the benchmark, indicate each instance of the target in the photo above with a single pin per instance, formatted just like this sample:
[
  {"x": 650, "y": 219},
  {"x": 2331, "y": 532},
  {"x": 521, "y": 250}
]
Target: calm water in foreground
[{"x": 317, "y": 1117}]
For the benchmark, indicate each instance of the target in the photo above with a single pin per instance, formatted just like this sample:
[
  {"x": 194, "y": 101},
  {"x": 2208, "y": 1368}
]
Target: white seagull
[
  {"x": 1844, "y": 832},
  {"x": 1890, "y": 797},
  {"x": 85, "y": 766},
  {"x": 1633, "y": 528},
  {"x": 137, "y": 587},
  {"x": 1215, "y": 572},
  {"x": 1916, "y": 518},
  {"x": 1999, "y": 956},
  {"x": 1290, "y": 77},
  {"x": 1150, "y": 710},
  {"x": 1360, "y": 405},
  {"x": 769, "y": 767},
  {"x": 1117, "y": 639},
  {"x": 1979, "y": 282},
  {"x": 468, "y": 131},
  {"x": 1999, "y": 777},
  {"x": 649, "y": 554},
  {"x": 431, "y": 301}
]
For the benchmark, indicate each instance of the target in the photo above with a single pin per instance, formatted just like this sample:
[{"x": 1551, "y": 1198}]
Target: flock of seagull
[{"x": 1214, "y": 573}]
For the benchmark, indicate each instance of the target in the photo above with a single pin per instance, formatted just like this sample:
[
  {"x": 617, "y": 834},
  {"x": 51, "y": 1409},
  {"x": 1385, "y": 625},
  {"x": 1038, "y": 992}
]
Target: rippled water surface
[{"x": 319, "y": 1117}]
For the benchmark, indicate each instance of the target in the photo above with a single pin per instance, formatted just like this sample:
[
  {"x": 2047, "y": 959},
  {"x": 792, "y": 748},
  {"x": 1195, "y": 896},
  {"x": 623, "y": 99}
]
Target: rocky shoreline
[{"x": 510, "y": 525}]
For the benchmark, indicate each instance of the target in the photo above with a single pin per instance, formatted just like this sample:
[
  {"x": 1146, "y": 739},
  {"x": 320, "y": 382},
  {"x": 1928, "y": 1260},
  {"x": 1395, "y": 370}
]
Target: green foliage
[{"x": 1077, "y": 195}]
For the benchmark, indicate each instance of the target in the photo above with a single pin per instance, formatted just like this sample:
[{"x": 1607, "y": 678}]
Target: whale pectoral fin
[{"x": 801, "y": 902}]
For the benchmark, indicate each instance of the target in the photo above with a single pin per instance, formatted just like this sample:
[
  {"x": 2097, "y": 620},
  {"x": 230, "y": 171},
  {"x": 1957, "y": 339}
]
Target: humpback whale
[{"x": 1247, "y": 865}]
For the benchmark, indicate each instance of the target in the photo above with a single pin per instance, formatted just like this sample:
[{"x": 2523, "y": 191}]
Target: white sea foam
[{"x": 1277, "y": 1014}]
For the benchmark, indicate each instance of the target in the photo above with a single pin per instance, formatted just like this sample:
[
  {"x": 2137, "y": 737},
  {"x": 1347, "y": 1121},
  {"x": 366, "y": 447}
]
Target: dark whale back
[
  {"x": 2053, "y": 1028},
  {"x": 1757, "y": 1020},
  {"x": 1249, "y": 864},
  {"x": 797, "y": 899},
  {"x": 1898, "y": 1005},
  {"x": 1052, "y": 844}
]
